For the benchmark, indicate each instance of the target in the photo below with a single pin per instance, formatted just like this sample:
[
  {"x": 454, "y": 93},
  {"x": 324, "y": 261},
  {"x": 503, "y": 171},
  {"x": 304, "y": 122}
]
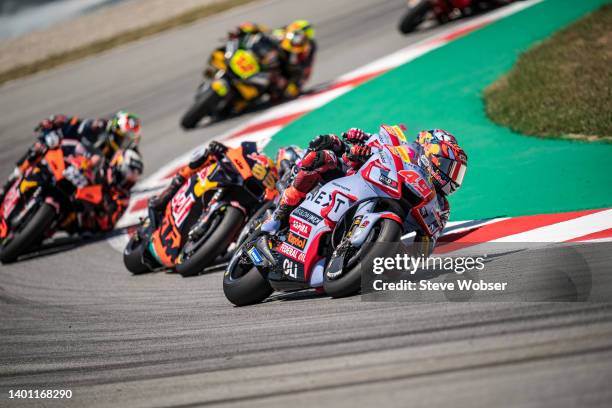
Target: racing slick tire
[
  {"x": 132, "y": 257},
  {"x": 33, "y": 232},
  {"x": 247, "y": 288},
  {"x": 414, "y": 16},
  {"x": 216, "y": 243},
  {"x": 204, "y": 105},
  {"x": 349, "y": 283}
]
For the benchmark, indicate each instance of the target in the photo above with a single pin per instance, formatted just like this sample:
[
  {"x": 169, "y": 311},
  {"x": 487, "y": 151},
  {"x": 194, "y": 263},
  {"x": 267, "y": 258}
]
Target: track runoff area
[{"x": 594, "y": 225}]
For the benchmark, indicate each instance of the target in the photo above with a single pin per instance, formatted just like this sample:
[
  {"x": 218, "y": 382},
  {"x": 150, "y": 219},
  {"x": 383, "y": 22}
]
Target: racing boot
[
  {"x": 278, "y": 220},
  {"x": 159, "y": 202}
]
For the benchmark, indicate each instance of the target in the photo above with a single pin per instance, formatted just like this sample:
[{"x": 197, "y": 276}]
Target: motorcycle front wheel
[
  {"x": 217, "y": 238},
  {"x": 244, "y": 285},
  {"x": 133, "y": 255},
  {"x": 204, "y": 105},
  {"x": 349, "y": 283},
  {"x": 30, "y": 234}
]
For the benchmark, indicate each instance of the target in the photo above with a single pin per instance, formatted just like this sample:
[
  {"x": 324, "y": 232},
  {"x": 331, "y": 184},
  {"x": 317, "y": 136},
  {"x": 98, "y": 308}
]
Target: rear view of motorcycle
[{"x": 205, "y": 215}]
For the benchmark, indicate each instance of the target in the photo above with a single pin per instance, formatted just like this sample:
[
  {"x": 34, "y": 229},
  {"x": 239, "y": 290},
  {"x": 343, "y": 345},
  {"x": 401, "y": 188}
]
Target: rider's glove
[
  {"x": 217, "y": 148},
  {"x": 359, "y": 153},
  {"x": 355, "y": 136},
  {"x": 327, "y": 142}
]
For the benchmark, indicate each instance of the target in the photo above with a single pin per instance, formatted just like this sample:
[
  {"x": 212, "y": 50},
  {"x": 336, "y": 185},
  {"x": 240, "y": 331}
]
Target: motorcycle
[
  {"x": 442, "y": 10},
  {"x": 205, "y": 215},
  {"x": 329, "y": 233},
  {"x": 234, "y": 78},
  {"x": 46, "y": 198}
]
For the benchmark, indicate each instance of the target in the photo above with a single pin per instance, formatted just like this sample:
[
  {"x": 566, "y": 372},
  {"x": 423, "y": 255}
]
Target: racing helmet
[
  {"x": 251, "y": 28},
  {"x": 446, "y": 160},
  {"x": 124, "y": 130},
  {"x": 297, "y": 37},
  {"x": 125, "y": 168}
]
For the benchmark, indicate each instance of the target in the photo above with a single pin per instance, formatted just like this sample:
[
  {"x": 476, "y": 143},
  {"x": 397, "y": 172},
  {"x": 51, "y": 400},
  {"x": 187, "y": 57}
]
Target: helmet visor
[{"x": 453, "y": 169}]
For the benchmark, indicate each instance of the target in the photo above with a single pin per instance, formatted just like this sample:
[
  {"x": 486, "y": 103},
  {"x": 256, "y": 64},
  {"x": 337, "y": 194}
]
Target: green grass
[
  {"x": 119, "y": 39},
  {"x": 561, "y": 87}
]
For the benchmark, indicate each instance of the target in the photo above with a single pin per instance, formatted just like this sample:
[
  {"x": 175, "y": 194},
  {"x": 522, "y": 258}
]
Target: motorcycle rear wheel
[
  {"x": 215, "y": 245},
  {"x": 414, "y": 16},
  {"x": 349, "y": 283},
  {"x": 33, "y": 231},
  {"x": 205, "y": 105}
]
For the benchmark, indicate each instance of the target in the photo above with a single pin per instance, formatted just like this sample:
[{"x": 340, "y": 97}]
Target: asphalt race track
[{"x": 75, "y": 319}]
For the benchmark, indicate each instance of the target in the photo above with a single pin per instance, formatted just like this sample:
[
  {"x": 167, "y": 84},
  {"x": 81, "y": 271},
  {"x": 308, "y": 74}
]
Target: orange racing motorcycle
[
  {"x": 51, "y": 195},
  {"x": 205, "y": 215}
]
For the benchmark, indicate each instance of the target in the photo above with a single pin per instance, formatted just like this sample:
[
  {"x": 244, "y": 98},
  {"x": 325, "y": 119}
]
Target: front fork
[{"x": 201, "y": 225}]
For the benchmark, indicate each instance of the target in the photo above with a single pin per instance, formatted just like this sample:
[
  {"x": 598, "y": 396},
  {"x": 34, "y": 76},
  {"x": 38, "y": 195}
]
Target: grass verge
[
  {"x": 119, "y": 39},
  {"x": 562, "y": 87}
]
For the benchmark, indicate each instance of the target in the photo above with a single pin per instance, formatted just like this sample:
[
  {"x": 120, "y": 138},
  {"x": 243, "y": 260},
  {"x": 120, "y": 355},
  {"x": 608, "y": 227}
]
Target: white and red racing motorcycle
[{"x": 329, "y": 234}]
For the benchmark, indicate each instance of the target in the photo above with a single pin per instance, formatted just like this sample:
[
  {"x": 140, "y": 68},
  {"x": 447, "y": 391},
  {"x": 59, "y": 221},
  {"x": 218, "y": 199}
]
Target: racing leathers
[
  {"x": 329, "y": 158},
  {"x": 295, "y": 70}
]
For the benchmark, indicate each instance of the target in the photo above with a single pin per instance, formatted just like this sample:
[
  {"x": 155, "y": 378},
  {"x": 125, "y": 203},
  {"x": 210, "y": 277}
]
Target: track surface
[{"x": 76, "y": 319}]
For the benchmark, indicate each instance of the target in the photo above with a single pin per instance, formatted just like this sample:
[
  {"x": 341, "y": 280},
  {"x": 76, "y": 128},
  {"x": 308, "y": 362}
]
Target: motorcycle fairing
[
  {"x": 3, "y": 228},
  {"x": 244, "y": 64},
  {"x": 11, "y": 199},
  {"x": 55, "y": 162},
  {"x": 316, "y": 216},
  {"x": 204, "y": 183},
  {"x": 91, "y": 194},
  {"x": 180, "y": 214}
]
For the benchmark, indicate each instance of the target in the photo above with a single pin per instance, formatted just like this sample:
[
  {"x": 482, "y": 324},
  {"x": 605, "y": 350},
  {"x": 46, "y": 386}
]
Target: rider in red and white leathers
[{"x": 329, "y": 158}]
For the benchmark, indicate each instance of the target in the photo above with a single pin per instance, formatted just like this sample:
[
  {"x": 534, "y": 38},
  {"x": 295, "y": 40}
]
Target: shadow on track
[
  {"x": 257, "y": 108},
  {"x": 59, "y": 244}
]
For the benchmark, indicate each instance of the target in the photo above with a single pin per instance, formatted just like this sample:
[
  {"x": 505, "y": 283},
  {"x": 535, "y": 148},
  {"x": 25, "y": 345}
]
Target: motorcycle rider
[
  {"x": 329, "y": 158},
  {"x": 200, "y": 159},
  {"x": 98, "y": 141},
  {"x": 292, "y": 58},
  {"x": 120, "y": 176},
  {"x": 297, "y": 49},
  {"x": 247, "y": 28}
]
